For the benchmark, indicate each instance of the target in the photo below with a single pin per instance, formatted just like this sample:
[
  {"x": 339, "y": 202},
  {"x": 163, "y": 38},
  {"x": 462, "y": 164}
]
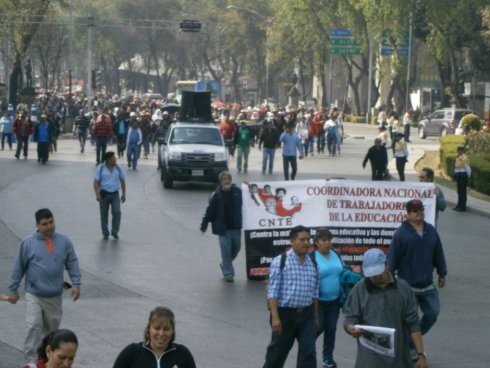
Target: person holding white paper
[{"x": 382, "y": 300}]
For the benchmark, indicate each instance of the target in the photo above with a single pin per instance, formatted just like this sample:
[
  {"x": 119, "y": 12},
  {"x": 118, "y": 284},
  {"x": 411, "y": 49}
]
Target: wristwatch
[{"x": 422, "y": 354}]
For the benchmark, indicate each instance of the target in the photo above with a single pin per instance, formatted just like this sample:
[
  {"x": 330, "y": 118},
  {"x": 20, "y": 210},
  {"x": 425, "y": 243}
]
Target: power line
[{"x": 157, "y": 24}]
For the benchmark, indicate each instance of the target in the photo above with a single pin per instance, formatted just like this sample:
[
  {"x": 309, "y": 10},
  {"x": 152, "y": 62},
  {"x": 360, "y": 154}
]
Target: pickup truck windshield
[{"x": 190, "y": 135}]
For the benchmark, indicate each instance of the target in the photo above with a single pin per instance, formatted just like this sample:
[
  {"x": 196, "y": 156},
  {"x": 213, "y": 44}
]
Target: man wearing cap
[
  {"x": 382, "y": 300},
  {"x": 82, "y": 123},
  {"x": 43, "y": 135},
  {"x": 293, "y": 302},
  {"x": 415, "y": 251},
  {"x": 109, "y": 177},
  {"x": 102, "y": 134},
  {"x": 269, "y": 138}
]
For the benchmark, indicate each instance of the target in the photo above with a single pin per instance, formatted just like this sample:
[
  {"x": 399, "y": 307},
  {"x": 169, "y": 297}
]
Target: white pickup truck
[{"x": 194, "y": 149}]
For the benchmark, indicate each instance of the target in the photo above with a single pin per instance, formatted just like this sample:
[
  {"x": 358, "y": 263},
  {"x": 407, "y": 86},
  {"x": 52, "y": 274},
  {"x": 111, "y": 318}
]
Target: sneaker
[
  {"x": 106, "y": 237},
  {"x": 329, "y": 364},
  {"x": 115, "y": 236},
  {"x": 229, "y": 278}
]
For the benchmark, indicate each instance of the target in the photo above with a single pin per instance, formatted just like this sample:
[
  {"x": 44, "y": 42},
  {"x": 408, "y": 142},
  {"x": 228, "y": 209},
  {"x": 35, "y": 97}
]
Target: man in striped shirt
[{"x": 292, "y": 300}]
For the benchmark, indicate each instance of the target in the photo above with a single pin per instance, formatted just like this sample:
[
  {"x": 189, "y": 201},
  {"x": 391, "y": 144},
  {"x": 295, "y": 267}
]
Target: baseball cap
[
  {"x": 414, "y": 204},
  {"x": 81, "y": 111},
  {"x": 373, "y": 262}
]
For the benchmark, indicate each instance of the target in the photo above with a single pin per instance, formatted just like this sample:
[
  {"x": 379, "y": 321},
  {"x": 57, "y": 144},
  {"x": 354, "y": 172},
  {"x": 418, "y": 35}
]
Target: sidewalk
[{"x": 416, "y": 152}]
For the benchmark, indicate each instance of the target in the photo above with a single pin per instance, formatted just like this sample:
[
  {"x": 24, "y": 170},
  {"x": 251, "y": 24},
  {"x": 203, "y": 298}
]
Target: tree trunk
[{"x": 15, "y": 81}]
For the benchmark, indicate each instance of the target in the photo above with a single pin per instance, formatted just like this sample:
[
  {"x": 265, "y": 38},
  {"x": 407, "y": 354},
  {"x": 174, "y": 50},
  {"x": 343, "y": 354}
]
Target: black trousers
[
  {"x": 297, "y": 324},
  {"x": 43, "y": 152},
  {"x": 377, "y": 173},
  {"x": 400, "y": 167},
  {"x": 286, "y": 160},
  {"x": 462, "y": 183}
]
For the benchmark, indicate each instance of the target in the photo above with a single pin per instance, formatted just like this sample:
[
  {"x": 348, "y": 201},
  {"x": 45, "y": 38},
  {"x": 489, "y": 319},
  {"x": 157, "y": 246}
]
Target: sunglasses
[{"x": 420, "y": 209}]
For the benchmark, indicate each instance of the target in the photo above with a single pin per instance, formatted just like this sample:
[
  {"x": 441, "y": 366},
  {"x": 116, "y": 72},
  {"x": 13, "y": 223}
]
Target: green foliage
[
  {"x": 479, "y": 145},
  {"x": 358, "y": 119},
  {"x": 448, "y": 151},
  {"x": 471, "y": 122},
  {"x": 480, "y": 174},
  {"x": 478, "y": 153}
]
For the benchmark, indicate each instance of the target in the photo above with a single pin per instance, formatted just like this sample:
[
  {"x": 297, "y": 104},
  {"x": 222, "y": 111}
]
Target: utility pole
[
  {"x": 90, "y": 27},
  {"x": 370, "y": 80},
  {"x": 409, "y": 62}
]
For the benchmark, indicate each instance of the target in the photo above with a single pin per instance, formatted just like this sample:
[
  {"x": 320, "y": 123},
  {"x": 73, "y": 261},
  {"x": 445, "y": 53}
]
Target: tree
[
  {"x": 21, "y": 31},
  {"x": 452, "y": 30}
]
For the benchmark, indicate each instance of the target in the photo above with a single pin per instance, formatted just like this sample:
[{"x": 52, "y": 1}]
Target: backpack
[
  {"x": 284, "y": 256},
  {"x": 283, "y": 263},
  {"x": 348, "y": 279},
  {"x": 102, "y": 167}
]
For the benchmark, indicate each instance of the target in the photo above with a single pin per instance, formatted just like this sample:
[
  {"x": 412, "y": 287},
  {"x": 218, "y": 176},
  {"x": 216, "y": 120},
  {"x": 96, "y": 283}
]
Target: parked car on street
[{"x": 441, "y": 122}]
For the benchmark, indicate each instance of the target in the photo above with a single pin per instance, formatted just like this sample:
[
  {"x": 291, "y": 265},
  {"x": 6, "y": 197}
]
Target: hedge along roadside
[{"x": 480, "y": 168}]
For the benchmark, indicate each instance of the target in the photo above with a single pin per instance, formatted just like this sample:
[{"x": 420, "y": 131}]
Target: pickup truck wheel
[
  {"x": 167, "y": 182},
  {"x": 443, "y": 132},
  {"x": 422, "y": 134}
]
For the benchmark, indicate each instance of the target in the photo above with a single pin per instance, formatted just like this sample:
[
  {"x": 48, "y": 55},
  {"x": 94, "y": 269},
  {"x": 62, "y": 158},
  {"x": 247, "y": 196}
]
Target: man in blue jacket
[
  {"x": 224, "y": 211},
  {"x": 42, "y": 258},
  {"x": 415, "y": 251},
  {"x": 290, "y": 144}
]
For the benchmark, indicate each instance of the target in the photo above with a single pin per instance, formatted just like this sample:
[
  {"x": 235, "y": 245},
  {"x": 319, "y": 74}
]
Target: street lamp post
[{"x": 267, "y": 21}]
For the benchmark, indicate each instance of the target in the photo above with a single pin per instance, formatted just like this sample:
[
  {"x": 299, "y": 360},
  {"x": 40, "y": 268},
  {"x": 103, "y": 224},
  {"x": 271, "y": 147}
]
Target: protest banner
[{"x": 360, "y": 215}]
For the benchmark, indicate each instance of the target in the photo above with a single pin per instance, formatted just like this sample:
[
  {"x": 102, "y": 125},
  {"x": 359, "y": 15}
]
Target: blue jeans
[
  {"x": 268, "y": 153},
  {"x": 133, "y": 154},
  {"x": 112, "y": 200},
  {"x": 332, "y": 143},
  {"x": 82, "y": 138},
  {"x": 430, "y": 306},
  {"x": 230, "y": 246},
  {"x": 7, "y": 136},
  {"x": 311, "y": 141},
  {"x": 320, "y": 143},
  {"x": 328, "y": 315},
  {"x": 101, "y": 147},
  {"x": 298, "y": 325}
]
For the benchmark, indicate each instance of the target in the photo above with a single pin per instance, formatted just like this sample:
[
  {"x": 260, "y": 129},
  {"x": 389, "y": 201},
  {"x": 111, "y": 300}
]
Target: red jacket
[
  {"x": 103, "y": 130},
  {"x": 228, "y": 130},
  {"x": 17, "y": 127}
]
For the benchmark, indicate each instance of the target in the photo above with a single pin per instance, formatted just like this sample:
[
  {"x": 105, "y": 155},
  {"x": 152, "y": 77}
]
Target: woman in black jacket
[{"x": 158, "y": 349}]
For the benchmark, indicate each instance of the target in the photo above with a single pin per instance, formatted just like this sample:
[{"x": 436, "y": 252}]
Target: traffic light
[{"x": 190, "y": 26}]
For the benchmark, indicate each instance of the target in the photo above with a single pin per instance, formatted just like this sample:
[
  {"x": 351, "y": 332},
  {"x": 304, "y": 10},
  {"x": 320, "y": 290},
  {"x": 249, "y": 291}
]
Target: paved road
[{"x": 162, "y": 258}]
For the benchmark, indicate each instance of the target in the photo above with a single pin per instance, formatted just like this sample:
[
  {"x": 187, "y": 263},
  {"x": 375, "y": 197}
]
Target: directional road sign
[{"x": 345, "y": 50}]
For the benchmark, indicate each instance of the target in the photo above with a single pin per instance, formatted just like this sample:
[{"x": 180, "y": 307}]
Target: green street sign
[
  {"x": 344, "y": 42},
  {"x": 345, "y": 50}
]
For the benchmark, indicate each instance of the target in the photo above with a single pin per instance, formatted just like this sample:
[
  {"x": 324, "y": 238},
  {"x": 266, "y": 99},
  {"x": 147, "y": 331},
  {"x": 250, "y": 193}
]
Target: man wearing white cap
[{"x": 384, "y": 301}]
